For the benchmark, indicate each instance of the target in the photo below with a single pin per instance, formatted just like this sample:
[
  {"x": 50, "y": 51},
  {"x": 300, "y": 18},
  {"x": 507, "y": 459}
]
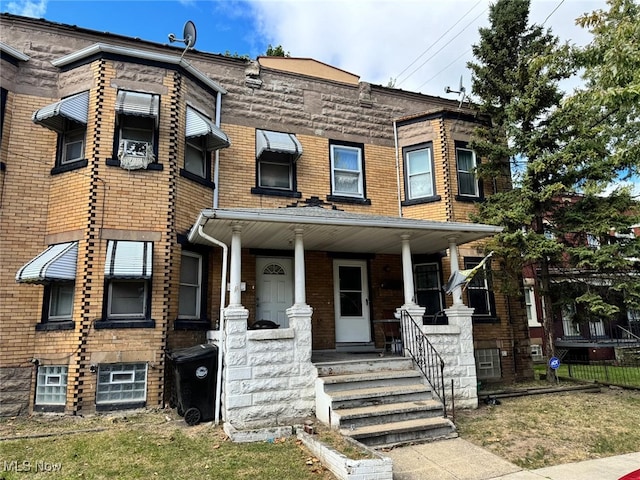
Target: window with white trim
[
  {"x": 189, "y": 303},
  {"x": 418, "y": 167},
  {"x": 530, "y": 307},
  {"x": 347, "y": 170},
  {"x": 466, "y": 163},
  {"x": 121, "y": 383},
  {"x": 51, "y": 385},
  {"x": 488, "y": 363}
]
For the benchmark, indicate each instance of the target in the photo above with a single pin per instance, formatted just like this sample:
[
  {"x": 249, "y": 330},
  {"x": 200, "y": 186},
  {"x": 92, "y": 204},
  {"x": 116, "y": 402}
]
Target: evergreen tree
[{"x": 557, "y": 148}]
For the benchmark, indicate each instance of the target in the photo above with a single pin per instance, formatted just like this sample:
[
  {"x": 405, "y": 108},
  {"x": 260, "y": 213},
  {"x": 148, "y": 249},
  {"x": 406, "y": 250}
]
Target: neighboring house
[
  {"x": 133, "y": 176},
  {"x": 579, "y": 338}
]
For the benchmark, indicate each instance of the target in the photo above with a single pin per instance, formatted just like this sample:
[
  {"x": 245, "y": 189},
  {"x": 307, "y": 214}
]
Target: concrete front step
[
  {"x": 387, "y": 413},
  {"x": 383, "y": 378},
  {"x": 345, "y": 367},
  {"x": 398, "y": 433},
  {"x": 363, "y": 397}
]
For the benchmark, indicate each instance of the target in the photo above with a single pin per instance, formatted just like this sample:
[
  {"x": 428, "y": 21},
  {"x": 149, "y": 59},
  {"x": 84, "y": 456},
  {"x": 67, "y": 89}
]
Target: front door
[
  {"x": 274, "y": 289},
  {"x": 351, "y": 301}
]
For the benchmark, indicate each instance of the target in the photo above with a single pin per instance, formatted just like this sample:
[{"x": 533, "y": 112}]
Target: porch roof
[{"x": 334, "y": 230}]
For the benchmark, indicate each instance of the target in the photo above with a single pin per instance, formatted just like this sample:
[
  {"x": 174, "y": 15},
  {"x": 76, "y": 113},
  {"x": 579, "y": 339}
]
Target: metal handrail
[
  {"x": 628, "y": 332},
  {"x": 424, "y": 354}
]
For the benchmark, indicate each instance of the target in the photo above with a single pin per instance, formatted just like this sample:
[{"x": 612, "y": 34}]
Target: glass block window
[
  {"x": 121, "y": 383},
  {"x": 51, "y": 385},
  {"x": 488, "y": 363}
]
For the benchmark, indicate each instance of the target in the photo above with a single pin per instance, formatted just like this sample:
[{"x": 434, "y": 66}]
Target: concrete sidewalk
[{"x": 458, "y": 459}]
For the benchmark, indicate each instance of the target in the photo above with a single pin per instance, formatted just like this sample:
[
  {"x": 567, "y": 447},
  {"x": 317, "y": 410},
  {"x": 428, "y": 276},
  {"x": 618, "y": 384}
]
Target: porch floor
[{"x": 321, "y": 356}]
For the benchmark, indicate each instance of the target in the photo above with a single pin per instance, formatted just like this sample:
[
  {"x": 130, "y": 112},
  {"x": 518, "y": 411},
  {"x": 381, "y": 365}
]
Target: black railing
[
  {"x": 621, "y": 373},
  {"x": 424, "y": 354}
]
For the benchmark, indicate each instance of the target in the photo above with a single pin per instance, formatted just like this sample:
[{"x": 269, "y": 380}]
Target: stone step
[
  {"x": 345, "y": 367},
  {"x": 387, "y": 413},
  {"x": 400, "y": 433},
  {"x": 363, "y": 397},
  {"x": 383, "y": 378}
]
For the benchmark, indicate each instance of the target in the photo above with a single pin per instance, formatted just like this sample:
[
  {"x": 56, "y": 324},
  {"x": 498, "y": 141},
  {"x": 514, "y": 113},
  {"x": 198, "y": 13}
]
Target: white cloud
[
  {"x": 378, "y": 39},
  {"x": 28, "y": 8}
]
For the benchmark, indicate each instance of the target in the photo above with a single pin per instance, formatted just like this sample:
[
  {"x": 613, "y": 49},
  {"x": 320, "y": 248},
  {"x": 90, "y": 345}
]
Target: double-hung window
[
  {"x": 128, "y": 270},
  {"x": 190, "y": 301},
  {"x": 530, "y": 306},
  {"x": 137, "y": 116},
  {"x": 419, "y": 177},
  {"x": 68, "y": 118},
  {"x": 202, "y": 136},
  {"x": 428, "y": 287},
  {"x": 277, "y": 154},
  {"x": 347, "y": 170},
  {"x": 466, "y": 162},
  {"x": 479, "y": 293},
  {"x": 55, "y": 268}
]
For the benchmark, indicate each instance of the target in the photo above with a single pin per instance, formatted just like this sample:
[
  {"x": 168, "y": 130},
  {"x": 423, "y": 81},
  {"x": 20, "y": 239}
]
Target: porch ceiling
[{"x": 333, "y": 230}]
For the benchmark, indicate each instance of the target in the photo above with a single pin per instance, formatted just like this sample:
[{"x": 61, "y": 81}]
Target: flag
[{"x": 461, "y": 278}]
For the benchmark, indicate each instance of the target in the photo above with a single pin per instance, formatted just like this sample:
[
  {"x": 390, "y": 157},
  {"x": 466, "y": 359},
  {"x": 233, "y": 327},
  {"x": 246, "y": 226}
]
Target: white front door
[
  {"x": 274, "y": 289},
  {"x": 351, "y": 301}
]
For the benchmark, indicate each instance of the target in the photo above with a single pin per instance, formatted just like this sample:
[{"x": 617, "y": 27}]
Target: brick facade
[{"x": 100, "y": 201}]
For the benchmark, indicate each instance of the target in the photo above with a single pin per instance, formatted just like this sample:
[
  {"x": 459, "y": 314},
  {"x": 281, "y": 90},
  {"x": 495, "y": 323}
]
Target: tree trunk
[{"x": 547, "y": 319}]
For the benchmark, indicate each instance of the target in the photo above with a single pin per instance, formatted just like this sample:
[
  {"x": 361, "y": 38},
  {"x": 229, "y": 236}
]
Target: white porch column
[
  {"x": 300, "y": 292},
  {"x": 235, "y": 267},
  {"x": 453, "y": 258},
  {"x": 407, "y": 271}
]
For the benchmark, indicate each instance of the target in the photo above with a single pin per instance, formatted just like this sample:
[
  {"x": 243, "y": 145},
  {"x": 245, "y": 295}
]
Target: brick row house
[{"x": 153, "y": 198}]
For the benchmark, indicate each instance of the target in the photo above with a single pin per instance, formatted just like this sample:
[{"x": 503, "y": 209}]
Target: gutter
[{"x": 221, "y": 325}]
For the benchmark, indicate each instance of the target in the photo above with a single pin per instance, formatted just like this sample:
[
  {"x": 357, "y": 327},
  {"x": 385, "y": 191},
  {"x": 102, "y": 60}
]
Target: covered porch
[{"x": 268, "y": 374}]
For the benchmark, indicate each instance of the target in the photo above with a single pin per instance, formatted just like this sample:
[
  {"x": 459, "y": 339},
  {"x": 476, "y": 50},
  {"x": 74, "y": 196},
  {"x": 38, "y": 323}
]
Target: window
[
  {"x": 3, "y": 103},
  {"x": 68, "y": 118},
  {"x": 347, "y": 172},
  {"x": 479, "y": 294},
  {"x": 466, "y": 163},
  {"x": 137, "y": 122},
  {"x": 189, "y": 306},
  {"x": 128, "y": 268},
  {"x": 60, "y": 300},
  {"x": 196, "y": 158},
  {"x": 51, "y": 386},
  {"x": 530, "y": 307},
  {"x": 123, "y": 384},
  {"x": 428, "y": 288},
  {"x": 277, "y": 154},
  {"x": 488, "y": 363},
  {"x": 536, "y": 353},
  {"x": 419, "y": 178}
]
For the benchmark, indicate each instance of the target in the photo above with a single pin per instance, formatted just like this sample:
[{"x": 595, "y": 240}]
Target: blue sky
[{"x": 423, "y": 44}]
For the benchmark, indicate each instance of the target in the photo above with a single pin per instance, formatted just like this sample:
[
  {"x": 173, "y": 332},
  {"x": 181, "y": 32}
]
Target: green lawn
[{"x": 146, "y": 446}]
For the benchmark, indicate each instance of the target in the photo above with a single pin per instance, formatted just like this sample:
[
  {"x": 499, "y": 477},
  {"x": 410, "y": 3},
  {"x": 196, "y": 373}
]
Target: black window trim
[
  {"x": 459, "y": 144},
  {"x": 108, "y": 322},
  {"x": 52, "y": 325},
  {"x": 492, "y": 317},
  {"x": 332, "y": 197},
  {"x": 204, "y": 322},
  {"x": 419, "y": 200}
]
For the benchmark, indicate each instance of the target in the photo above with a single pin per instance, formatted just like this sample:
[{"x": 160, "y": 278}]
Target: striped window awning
[
  {"x": 56, "y": 263},
  {"x": 138, "y": 104},
  {"x": 277, "y": 142},
  {"x": 56, "y": 115},
  {"x": 199, "y": 125},
  {"x": 127, "y": 259}
]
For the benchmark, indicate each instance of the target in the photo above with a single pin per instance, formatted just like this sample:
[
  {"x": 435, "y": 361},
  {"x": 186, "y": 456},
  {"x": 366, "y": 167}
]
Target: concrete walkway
[{"x": 458, "y": 459}]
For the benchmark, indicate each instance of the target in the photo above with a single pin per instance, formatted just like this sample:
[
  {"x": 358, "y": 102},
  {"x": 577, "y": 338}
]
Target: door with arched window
[{"x": 274, "y": 289}]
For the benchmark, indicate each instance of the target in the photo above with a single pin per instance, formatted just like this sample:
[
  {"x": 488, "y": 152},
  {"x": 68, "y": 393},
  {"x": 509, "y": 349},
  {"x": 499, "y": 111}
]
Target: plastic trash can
[{"x": 195, "y": 375}]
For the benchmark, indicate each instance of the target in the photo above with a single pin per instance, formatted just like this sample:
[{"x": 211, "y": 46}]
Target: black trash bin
[{"x": 195, "y": 375}]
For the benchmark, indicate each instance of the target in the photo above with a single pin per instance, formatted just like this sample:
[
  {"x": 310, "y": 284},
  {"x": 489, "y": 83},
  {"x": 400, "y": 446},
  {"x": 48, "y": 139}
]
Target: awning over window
[
  {"x": 55, "y": 116},
  {"x": 277, "y": 142},
  {"x": 139, "y": 104},
  {"x": 199, "y": 125},
  {"x": 126, "y": 259},
  {"x": 56, "y": 263}
]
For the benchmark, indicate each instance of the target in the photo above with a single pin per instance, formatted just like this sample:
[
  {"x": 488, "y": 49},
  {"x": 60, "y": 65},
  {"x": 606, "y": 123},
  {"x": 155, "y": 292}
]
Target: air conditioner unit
[{"x": 134, "y": 154}]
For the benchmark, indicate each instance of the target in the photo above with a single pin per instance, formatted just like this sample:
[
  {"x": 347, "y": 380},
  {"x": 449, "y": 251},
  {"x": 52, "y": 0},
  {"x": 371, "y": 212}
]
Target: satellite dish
[{"x": 189, "y": 36}]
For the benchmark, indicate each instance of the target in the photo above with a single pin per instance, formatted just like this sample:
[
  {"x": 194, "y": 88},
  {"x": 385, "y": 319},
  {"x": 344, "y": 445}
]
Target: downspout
[
  {"x": 395, "y": 141},
  {"x": 216, "y": 167},
  {"x": 223, "y": 299}
]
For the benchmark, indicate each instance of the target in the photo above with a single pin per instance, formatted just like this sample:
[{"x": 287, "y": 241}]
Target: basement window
[{"x": 121, "y": 386}]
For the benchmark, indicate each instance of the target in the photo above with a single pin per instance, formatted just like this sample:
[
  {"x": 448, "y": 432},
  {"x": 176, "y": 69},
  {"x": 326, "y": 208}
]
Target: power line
[
  {"x": 444, "y": 46},
  {"x": 434, "y": 43},
  {"x": 553, "y": 11}
]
